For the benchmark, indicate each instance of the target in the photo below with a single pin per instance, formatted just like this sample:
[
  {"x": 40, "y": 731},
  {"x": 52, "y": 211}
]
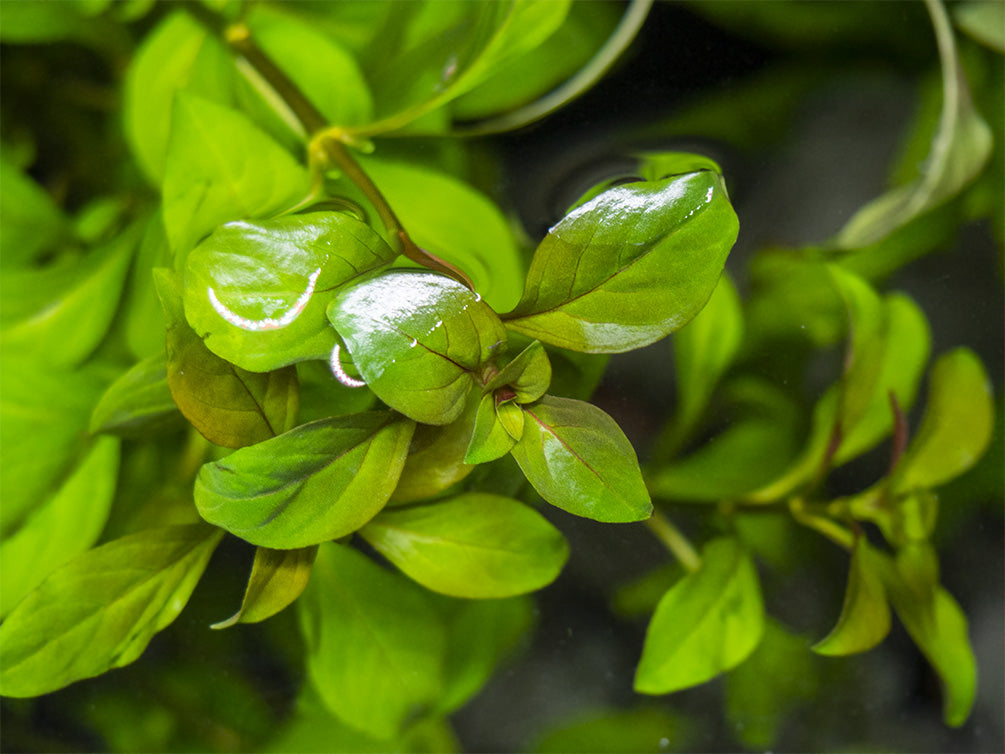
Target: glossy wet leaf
[
  {"x": 375, "y": 642},
  {"x": 60, "y": 313},
  {"x": 473, "y": 545},
  {"x": 455, "y": 222},
  {"x": 578, "y": 459},
  {"x": 100, "y": 610},
  {"x": 480, "y": 635},
  {"x": 435, "y": 459},
  {"x": 939, "y": 628},
  {"x": 417, "y": 339},
  {"x": 257, "y": 292},
  {"x": 31, "y": 221},
  {"x": 771, "y": 687},
  {"x": 43, "y": 429},
  {"x": 628, "y": 267},
  {"x": 138, "y": 403},
  {"x": 230, "y": 406},
  {"x": 489, "y": 438},
  {"x": 709, "y": 622},
  {"x": 221, "y": 167},
  {"x": 865, "y": 615},
  {"x": 957, "y": 426},
  {"x": 528, "y": 375},
  {"x": 317, "y": 482},
  {"x": 960, "y": 148},
  {"x": 65, "y": 525},
  {"x": 278, "y": 577},
  {"x": 178, "y": 55}
]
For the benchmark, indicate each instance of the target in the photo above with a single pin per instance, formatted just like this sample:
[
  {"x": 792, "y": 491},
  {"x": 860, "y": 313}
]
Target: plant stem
[
  {"x": 826, "y": 526},
  {"x": 675, "y": 541},
  {"x": 325, "y": 144}
]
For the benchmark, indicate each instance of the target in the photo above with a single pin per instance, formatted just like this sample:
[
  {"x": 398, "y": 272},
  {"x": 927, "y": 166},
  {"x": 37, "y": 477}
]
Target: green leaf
[
  {"x": 221, "y": 167},
  {"x": 31, "y": 222},
  {"x": 376, "y": 644},
  {"x": 445, "y": 62},
  {"x": 528, "y": 376},
  {"x": 64, "y": 526},
  {"x": 435, "y": 459},
  {"x": 939, "y": 628},
  {"x": 865, "y": 615},
  {"x": 278, "y": 577},
  {"x": 60, "y": 313},
  {"x": 321, "y": 395},
  {"x": 579, "y": 460},
  {"x": 43, "y": 426},
  {"x": 489, "y": 439},
  {"x": 257, "y": 292},
  {"x": 178, "y": 55},
  {"x": 480, "y": 635},
  {"x": 511, "y": 416},
  {"x": 317, "y": 482},
  {"x": 644, "y": 730},
  {"x": 709, "y": 622},
  {"x": 747, "y": 454},
  {"x": 770, "y": 687},
  {"x": 984, "y": 21},
  {"x": 138, "y": 403},
  {"x": 100, "y": 610},
  {"x": 455, "y": 222},
  {"x": 324, "y": 72},
  {"x": 541, "y": 69},
  {"x": 417, "y": 338},
  {"x": 703, "y": 350},
  {"x": 628, "y": 267},
  {"x": 960, "y": 148},
  {"x": 142, "y": 311},
  {"x": 229, "y": 406},
  {"x": 473, "y": 545},
  {"x": 957, "y": 426},
  {"x": 887, "y": 353}
]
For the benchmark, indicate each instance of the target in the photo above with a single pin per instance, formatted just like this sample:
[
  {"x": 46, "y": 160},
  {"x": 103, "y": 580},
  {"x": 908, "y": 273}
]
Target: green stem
[
  {"x": 675, "y": 541},
  {"x": 326, "y": 144},
  {"x": 829, "y": 528}
]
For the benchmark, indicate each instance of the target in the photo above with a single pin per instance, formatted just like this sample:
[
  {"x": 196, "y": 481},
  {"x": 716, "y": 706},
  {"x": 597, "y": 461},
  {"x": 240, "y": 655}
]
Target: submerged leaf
[
  {"x": 257, "y": 292},
  {"x": 417, "y": 338},
  {"x": 709, "y": 622},
  {"x": 100, "y": 610},
  {"x": 865, "y": 615},
  {"x": 957, "y": 426},
  {"x": 229, "y": 406},
  {"x": 375, "y": 643},
  {"x": 277, "y": 578},
  {"x": 473, "y": 545},
  {"x": 628, "y": 267},
  {"x": 317, "y": 482},
  {"x": 578, "y": 459}
]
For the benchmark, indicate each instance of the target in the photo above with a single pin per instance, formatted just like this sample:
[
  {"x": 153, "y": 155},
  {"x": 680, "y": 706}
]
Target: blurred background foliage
[{"x": 811, "y": 109}]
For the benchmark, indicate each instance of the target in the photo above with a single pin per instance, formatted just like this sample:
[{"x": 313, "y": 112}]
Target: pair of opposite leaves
[{"x": 620, "y": 271}]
